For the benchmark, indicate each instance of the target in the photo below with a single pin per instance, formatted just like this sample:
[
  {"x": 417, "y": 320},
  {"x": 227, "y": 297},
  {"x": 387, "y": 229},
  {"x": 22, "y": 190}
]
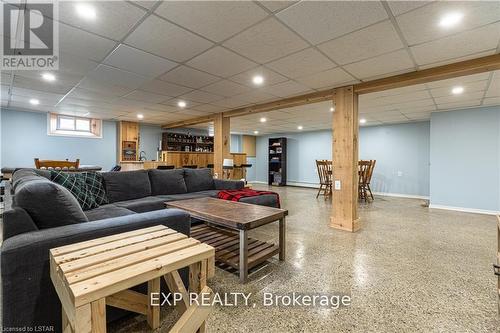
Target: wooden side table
[{"x": 90, "y": 275}]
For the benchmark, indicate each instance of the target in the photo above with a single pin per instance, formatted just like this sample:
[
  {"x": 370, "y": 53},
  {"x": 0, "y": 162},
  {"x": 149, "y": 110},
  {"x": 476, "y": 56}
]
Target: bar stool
[
  {"x": 190, "y": 166},
  {"x": 244, "y": 167},
  {"x": 227, "y": 167},
  {"x": 165, "y": 167},
  {"x": 211, "y": 167}
]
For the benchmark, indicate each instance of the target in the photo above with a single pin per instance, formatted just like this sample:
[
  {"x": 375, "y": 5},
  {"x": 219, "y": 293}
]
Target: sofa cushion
[
  {"x": 269, "y": 200},
  {"x": 198, "y": 180},
  {"x": 127, "y": 185},
  {"x": 192, "y": 195},
  {"x": 142, "y": 205},
  {"x": 167, "y": 181},
  {"x": 107, "y": 211},
  {"x": 49, "y": 204}
]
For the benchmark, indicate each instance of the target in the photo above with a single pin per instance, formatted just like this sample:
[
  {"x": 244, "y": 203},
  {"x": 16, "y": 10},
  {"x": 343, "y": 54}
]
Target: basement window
[{"x": 65, "y": 125}]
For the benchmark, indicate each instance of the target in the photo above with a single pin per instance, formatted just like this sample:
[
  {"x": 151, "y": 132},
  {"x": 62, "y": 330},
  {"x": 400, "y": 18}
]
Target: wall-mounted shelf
[{"x": 187, "y": 143}]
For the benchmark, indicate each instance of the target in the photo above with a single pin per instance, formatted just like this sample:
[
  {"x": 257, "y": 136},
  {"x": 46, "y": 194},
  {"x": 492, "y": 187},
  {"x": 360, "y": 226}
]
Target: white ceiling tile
[
  {"x": 137, "y": 61},
  {"x": 402, "y": 98},
  {"x": 165, "y": 88},
  {"x": 491, "y": 101},
  {"x": 161, "y": 108},
  {"x": 270, "y": 77},
  {"x": 201, "y": 97},
  {"x": 5, "y": 78},
  {"x": 256, "y": 96},
  {"x": 216, "y": 20},
  {"x": 494, "y": 88},
  {"x": 22, "y": 94},
  {"x": 25, "y": 105},
  {"x": 80, "y": 93},
  {"x": 226, "y": 88},
  {"x": 461, "y": 104},
  {"x": 208, "y": 108},
  {"x": 62, "y": 78},
  {"x": 114, "y": 18},
  {"x": 75, "y": 65},
  {"x": 287, "y": 89},
  {"x": 381, "y": 65},
  {"x": 305, "y": 62},
  {"x": 222, "y": 62},
  {"x": 103, "y": 87},
  {"x": 189, "y": 77},
  {"x": 165, "y": 39},
  {"x": 148, "y": 97},
  {"x": 145, "y": 4},
  {"x": 231, "y": 102},
  {"x": 319, "y": 21},
  {"x": 468, "y": 88},
  {"x": 189, "y": 104},
  {"x": 470, "y": 42},
  {"x": 458, "y": 98},
  {"x": 115, "y": 76},
  {"x": 454, "y": 60},
  {"x": 363, "y": 44},
  {"x": 418, "y": 116},
  {"x": 422, "y": 25},
  {"x": 401, "y": 7},
  {"x": 330, "y": 78},
  {"x": 266, "y": 41},
  {"x": 276, "y": 6},
  {"x": 36, "y": 84},
  {"x": 83, "y": 44}
]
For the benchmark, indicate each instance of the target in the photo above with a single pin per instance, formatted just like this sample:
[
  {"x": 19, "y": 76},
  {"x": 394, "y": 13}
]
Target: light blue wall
[
  {"x": 150, "y": 136},
  {"x": 402, "y": 147},
  {"x": 24, "y": 137},
  {"x": 465, "y": 153},
  {"x": 402, "y": 154}
]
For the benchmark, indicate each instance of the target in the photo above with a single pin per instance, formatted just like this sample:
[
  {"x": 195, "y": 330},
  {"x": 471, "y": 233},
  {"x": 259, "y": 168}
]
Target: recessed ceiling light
[
  {"x": 362, "y": 121},
  {"x": 451, "y": 19},
  {"x": 255, "y": 132},
  {"x": 140, "y": 116},
  {"x": 48, "y": 77},
  {"x": 263, "y": 120},
  {"x": 300, "y": 127},
  {"x": 86, "y": 11},
  {"x": 457, "y": 90},
  {"x": 34, "y": 101},
  {"x": 332, "y": 109},
  {"x": 181, "y": 104},
  {"x": 258, "y": 79}
]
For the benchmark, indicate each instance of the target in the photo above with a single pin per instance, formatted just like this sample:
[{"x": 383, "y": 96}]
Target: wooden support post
[
  {"x": 345, "y": 160},
  {"x": 221, "y": 142}
]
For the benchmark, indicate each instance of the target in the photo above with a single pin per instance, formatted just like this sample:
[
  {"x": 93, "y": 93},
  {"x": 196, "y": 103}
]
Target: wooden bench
[{"x": 90, "y": 275}]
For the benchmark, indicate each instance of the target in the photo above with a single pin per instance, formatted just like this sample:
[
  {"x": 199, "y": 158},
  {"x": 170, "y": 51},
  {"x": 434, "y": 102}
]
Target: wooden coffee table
[{"x": 226, "y": 229}]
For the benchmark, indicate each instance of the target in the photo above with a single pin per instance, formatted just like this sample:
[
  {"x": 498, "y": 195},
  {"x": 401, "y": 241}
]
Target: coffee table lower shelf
[{"x": 227, "y": 246}]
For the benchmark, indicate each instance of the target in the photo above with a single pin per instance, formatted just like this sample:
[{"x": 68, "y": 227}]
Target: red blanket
[{"x": 236, "y": 195}]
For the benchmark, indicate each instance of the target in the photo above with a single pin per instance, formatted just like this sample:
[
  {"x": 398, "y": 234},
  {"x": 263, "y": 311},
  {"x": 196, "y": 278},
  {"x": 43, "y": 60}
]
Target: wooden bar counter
[{"x": 180, "y": 158}]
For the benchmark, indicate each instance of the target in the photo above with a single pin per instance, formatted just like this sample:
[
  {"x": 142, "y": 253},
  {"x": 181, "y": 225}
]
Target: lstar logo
[{"x": 30, "y": 36}]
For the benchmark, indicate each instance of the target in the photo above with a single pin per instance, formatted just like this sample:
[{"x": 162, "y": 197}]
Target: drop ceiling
[{"x": 142, "y": 57}]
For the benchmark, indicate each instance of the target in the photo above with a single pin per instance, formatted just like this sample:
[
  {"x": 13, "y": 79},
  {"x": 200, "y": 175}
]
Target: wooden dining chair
[
  {"x": 57, "y": 164},
  {"x": 365, "y": 172},
  {"x": 324, "y": 168}
]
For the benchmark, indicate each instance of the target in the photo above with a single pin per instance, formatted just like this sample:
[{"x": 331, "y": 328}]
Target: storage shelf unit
[
  {"x": 194, "y": 143},
  {"x": 277, "y": 161}
]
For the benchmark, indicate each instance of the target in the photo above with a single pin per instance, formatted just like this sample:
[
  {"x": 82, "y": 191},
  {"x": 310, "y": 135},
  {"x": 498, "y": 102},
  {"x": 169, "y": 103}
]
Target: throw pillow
[
  {"x": 76, "y": 185},
  {"x": 94, "y": 181}
]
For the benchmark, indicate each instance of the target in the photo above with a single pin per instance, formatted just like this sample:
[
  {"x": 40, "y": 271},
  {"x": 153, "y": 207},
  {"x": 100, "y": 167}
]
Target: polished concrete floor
[{"x": 409, "y": 269}]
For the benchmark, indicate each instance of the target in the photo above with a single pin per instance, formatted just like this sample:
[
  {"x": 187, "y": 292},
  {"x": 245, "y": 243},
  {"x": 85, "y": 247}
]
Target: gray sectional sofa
[{"x": 45, "y": 215}]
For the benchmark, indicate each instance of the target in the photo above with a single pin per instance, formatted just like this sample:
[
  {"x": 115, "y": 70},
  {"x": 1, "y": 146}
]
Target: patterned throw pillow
[
  {"x": 86, "y": 187},
  {"x": 95, "y": 183}
]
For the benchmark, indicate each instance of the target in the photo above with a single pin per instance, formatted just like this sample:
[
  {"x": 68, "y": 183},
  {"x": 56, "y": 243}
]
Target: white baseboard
[
  {"x": 465, "y": 210},
  {"x": 257, "y": 182},
  {"x": 402, "y": 195},
  {"x": 302, "y": 184}
]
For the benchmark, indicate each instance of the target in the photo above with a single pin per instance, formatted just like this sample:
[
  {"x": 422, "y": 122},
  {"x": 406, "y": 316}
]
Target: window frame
[{"x": 54, "y": 128}]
